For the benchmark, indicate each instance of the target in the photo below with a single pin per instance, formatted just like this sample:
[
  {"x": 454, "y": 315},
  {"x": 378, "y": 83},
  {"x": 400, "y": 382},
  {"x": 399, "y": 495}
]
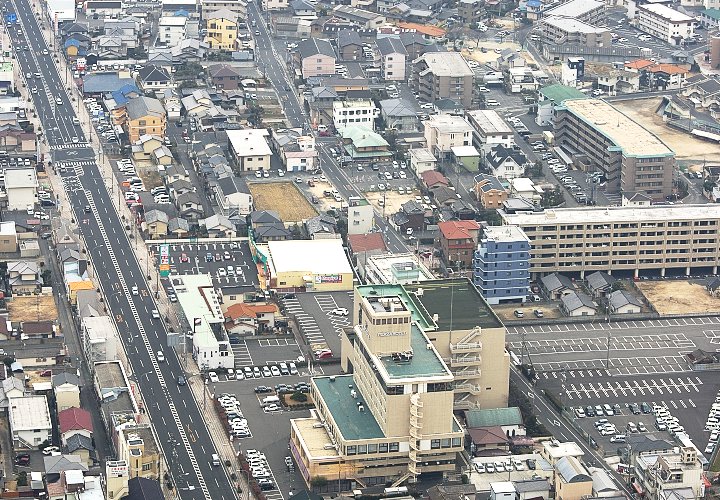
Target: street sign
[
  {"x": 10, "y": 18},
  {"x": 164, "y": 261}
]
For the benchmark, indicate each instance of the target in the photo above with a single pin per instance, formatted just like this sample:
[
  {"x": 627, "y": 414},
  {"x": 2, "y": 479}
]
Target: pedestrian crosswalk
[
  {"x": 73, "y": 167},
  {"x": 71, "y": 184},
  {"x": 60, "y": 147}
]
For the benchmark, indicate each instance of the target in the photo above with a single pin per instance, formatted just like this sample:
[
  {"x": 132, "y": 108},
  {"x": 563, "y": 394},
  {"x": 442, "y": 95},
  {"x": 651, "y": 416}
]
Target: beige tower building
[{"x": 391, "y": 417}]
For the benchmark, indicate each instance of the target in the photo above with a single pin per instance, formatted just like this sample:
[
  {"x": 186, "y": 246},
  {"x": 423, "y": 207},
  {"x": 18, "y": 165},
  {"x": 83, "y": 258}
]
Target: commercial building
[
  {"x": 250, "y": 149},
  {"x": 501, "y": 265},
  {"x": 489, "y": 129},
  {"x": 601, "y": 138},
  {"x": 201, "y": 315},
  {"x": 137, "y": 447},
  {"x": 351, "y": 112},
  {"x": 30, "y": 422},
  {"x": 391, "y": 418},
  {"x": 394, "y": 269},
  {"x": 309, "y": 265},
  {"x": 664, "y": 23},
  {"x": 361, "y": 215},
  {"x": 443, "y": 75},
  {"x": 630, "y": 241}
]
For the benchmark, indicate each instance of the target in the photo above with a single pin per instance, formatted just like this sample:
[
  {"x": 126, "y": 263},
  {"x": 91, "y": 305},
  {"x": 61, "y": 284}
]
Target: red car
[
  {"x": 323, "y": 354},
  {"x": 184, "y": 258}
]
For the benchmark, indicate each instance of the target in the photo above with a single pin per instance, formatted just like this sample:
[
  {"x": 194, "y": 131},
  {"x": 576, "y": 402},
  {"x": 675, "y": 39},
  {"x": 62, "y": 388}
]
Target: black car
[
  {"x": 181, "y": 380},
  {"x": 23, "y": 459},
  {"x": 261, "y": 389},
  {"x": 645, "y": 408},
  {"x": 589, "y": 411}
]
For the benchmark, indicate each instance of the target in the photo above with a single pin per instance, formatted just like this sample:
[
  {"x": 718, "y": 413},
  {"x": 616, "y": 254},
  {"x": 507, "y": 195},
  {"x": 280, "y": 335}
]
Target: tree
[
  {"x": 552, "y": 198},
  {"x": 535, "y": 171},
  {"x": 491, "y": 216},
  {"x": 47, "y": 277},
  {"x": 22, "y": 479},
  {"x": 299, "y": 397}
]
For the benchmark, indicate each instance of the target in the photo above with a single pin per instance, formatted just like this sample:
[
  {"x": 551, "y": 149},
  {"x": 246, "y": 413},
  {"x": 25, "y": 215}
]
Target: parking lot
[
  {"x": 212, "y": 258},
  {"x": 313, "y": 314}
]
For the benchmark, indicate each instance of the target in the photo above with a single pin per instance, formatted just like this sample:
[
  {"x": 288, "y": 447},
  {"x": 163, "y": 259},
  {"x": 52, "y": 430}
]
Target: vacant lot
[
  {"x": 393, "y": 200},
  {"x": 678, "y": 297},
  {"x": 684, "y": 145},
  {"x": 35, "y": 308},
  {"x": 507, "y": 312},
  {"x": 283, "y": 197}
]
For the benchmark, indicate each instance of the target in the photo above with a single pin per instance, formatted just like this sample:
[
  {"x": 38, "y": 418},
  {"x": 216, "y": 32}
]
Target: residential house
[
  {"x": 219, "y": 226},
  {"x": 489, "y": 440},
  {"x": 21, "y": 186},
  {"x": 237, "y": 7},
  {"x": 179, "y": 227},
  {"x": 321, "y": 226},
  {"x": 189, "y": 206},
  {"x": 143, "y": 148},
  {"x": 422, "y": 160},
  {"x": 572, "y": 479},
  {"x": 232, "y": 196},
  {"x": 296, "y": 149},
  {"x": 432, "y": 180},
  {"x": 489, "y": 129},
  {"x": 56, "y": 466},
  {"x": 144, "y": 115},
  {"x": 349, "y": 45},
  {"x": 66, "y": 387},
  {"x": 303, "y": 9},
  {"x": 271, "y": 232},
  {"x": 222, "y": 30},
  {"x": 171, "y": 30},
  {"x": 13, "y": 387},
  {"x": 622, "y": 302},
  {"x": 416, "y": 44},
  {"x": 523, "y": 187},
  {"x": 105, "y": 8},
  {"x": 599, "y": 283},
  {"x": 250, "y": 318},
  {"x": 674, "y": 475},
  {"x": 81, "y": 446},
  {"x": 23, "y": 277},
  {"x": 506, "y": 163},
  {"x": 43, "y": 329},
  {"x": 443, "y": 132},
  {"x": 578, "y": 304},
  {"x": 509, "y": 420},
  {"x": 444, "y": 196},
  {"x": 361, "y": 143},
  {"x": 392, "y": 59},
  {"x": 154, "y": 79},
  {"x": 443, "y": 75},
  {"x": 703, "y": 90},
  {"x": 529, "y": 489},
  {"x": 489, "y": 191},
  {"x": 30, "y": 422},
  {"x": 410, "y": 218},
  {"x": 458, "y": 240},
  {"x": 8, "y": 237},
  {"x": 635, "y": 199},
  {"x": 136, "y": 445},
  {"x": 556, "y": 285},
  {"x": 250, "y": 149},
  {"x": 156, "y": 224},
  {"x": 316, "y": 57},
  {"x": 72, "y": 421},
  {"x": 224, "y": 76},
  {"x": 360, "y": 217},
  {"x": 399, "y": 115},
  {"x": 363, "y": 18}
]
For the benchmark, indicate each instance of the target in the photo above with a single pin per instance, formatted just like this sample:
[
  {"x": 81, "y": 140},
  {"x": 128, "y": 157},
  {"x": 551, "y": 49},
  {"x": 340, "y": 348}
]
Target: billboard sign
[
  {"x": 328, "y": 278},
  {"x": 164, "y": 261}
]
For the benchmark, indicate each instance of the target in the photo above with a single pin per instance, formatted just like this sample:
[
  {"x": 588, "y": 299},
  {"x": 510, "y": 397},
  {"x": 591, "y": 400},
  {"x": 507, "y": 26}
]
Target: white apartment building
[
  {"x": 354, "y": 112},
  {"x": 443, "y": 132},
  {"x": 360, "y": 215},
  {"x": 171, "y": 30},
  {"x": 631, "y": 240},
  {"x": 21, "y": 187},
  {"x": 422, "y": 160},
  {"x": 251, "y": 149},
  {"x": 30, "y": 422},
  {"x": 489, "y": 129},
  {"x": 664, "y": 23},
  {"x": 239, "y": 7},
  {"x": 392, "y": 58},
  {"x": 200, "y": 313}
]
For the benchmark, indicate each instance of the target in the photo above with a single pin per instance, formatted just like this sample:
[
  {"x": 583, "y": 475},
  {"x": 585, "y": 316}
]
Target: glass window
[
  {"x": 362, "y": 449},
  {"x": 435, "y": 444},
  {"x": 383, "y": 447},
  {"x": 456, "y": 442},
  {"x": 394, "y": 447},
  {"x": 372, "y": 448},
  {"x": 446, "y": 443},
  {"x": 351, "y": 450}
]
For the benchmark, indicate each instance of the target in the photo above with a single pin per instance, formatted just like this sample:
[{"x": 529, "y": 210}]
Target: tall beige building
[
  {"x": 443, "y": 75},
  {"x": 390, "y": 419}
]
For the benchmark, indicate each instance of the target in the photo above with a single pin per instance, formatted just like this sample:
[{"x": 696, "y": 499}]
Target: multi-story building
[
  {"x": 587, "y": 11},
  {"x": 664, "y": 23},
  {"x": 443, "y": 75},
  {"x": 489, "y": 129},
  {"x": 250, "y": 148},
  {"x": 171, "y": 30},
  {"x": 394, "y": 268},
  {"x": 137, "y": 447},
  {"x": 144, "y": 115},
  {"x": 392, "y": 58},
  {"x": 443, "y": 132},
  {"x": 551, "y": 96},
  {"x": 422, "y": 160},
  {"x": 457, "y": 241},
  {"x": 471, "y": 11},
  {"x": 390, "y": 419},
  {"x": 649, "y": 240},
  {"x": 659, "y": 476},
  {"x": 238, "y": 7},
  {"x": 361, "y": 215},
  {"x": 501, "y": 266},
  {"x": 222, "y": 30},
  {"x": 564, "y": 30},
  {"x": 605, "y": 140},
  {"x": 316, "y": 57},
  {"x": 354, "y": 112}
]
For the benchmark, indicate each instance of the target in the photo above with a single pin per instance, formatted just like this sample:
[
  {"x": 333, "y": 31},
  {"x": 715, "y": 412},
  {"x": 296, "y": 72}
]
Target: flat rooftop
[
  {"x": 200, "y": 304},
  {"x": 29, "y": 412},
  {"x": 451, "y": 64},
  {"x": 424, "y": 362},
  {"x": 504, "y": 234},
  {"x": 606, "y": 215},
  {"x": 572, "y": 25},
  {"x": 110, "y": 375},
  {"x": 352, "y": 423},
  {"x": 667, "y": 13},
  {"x": 417, "y": 312},
  {"x": 489, "y": 121},
  {"x": 314, "y": 439},
  {"x": 458, "y": 304},
  {"x": 313, "y": 256},
  {"x": 631, "y": 137},
  {"x": 574, "y": 8}
]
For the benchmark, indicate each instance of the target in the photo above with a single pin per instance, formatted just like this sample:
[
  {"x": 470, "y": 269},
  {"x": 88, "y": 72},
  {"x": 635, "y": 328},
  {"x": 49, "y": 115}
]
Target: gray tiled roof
[
  {"x": 556, "y": 281},
  {"x": 144, "y": 106},
  {"x": 574, "y": 301},
  {"x": 314, "y": 46},
  {"x": 390, "y": 45}
]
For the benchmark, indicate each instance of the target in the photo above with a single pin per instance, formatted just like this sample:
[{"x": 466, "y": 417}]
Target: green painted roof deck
[
  {"x": 417, "y": 311},
  {"x": 559, "y": 93},
  {"x": 352, "y": 423},
  {"x": 458, "y": 304},
  {"x": 424, "y": 363}
]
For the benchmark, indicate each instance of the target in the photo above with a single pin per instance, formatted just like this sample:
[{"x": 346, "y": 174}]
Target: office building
[
  {"x": 443, "y": 75},
  {"x": 664, "y": 23},
  {"x": 601, "y": 138},
  {"x": 390, "y": 419},
  {"x": 502, "y": 264},
  {"x": 622, "y": 241}
]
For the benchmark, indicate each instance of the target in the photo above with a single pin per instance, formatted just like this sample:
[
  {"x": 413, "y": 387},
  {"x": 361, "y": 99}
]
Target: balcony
[
  {"x": 457, "y": 361},
  {"x": 468, "y": 373},
  {"x": 471, "y": 388},
  {"x": 466, "y": 347}
]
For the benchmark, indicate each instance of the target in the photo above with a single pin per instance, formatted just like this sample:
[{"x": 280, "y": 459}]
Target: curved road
[{"x": 174, "y": 413}]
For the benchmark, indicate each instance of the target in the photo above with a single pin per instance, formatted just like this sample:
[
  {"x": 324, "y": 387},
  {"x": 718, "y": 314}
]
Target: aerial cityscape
[{"x": 371, "y": 249}]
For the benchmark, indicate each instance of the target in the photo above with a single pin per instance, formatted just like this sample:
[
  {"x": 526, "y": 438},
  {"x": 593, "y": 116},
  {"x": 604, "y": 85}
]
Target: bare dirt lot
[
  {"x": 678, "y": 297},
  {"x": 283, "y": 197},
  {"x": 393, "y": 200},
  {"x": 684, "y": 145},
  {"x": 35, "y": 308},
  {"x": 507, "y": 312},
  {"x": 474, "y": 53}
]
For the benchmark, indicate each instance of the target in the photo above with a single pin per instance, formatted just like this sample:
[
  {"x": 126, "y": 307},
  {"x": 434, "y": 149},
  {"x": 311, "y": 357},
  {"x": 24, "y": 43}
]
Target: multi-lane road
[{"x": 177, "y": 420}]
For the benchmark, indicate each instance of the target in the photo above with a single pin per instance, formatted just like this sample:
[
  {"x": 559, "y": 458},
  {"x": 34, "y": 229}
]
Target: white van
[
  {"x": 215, "y": 460},
  {"x": 267, "y": 400},
  {"x": 492, "y": 102}
]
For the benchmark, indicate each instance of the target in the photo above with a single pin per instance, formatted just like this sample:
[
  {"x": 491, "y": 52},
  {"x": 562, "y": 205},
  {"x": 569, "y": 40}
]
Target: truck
[{"x": 548, "y": 137}]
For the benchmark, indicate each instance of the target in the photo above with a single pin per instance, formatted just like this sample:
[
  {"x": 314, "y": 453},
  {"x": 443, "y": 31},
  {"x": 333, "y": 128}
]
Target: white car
[
  {"x": 160, "y": 356},
  {"x": 212, "y": 376},
  {"x": 339, "y": 311},
  {"x": 222, "y": 272}
]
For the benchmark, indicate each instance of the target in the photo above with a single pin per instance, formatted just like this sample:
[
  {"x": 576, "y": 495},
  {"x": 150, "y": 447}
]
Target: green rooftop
[
  {"x": 352, "y": 423},
  {"x": 363, "y": 137},
  {"x": 458, "y": 304},
  {"x": 417, "y": 312},
  {"x": 711, "y": 13},
  {"x": 424, "y": 362},
  {"x": 493, "y": 417},
  {"x": 559, "y": 93}
]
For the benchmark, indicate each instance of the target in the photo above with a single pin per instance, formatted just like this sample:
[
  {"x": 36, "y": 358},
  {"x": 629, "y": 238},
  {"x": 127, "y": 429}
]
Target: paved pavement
[
  {"x": 311, "y": 311},
  {"x": 118, "y": 269}
]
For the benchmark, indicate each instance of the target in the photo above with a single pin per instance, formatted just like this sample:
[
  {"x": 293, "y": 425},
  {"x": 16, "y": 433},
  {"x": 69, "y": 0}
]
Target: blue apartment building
[{"x": 501, "y": 264}]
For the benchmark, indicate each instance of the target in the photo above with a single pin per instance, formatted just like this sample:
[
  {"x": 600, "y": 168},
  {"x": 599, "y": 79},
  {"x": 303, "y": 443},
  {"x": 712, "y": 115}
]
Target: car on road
[
  {"x": 155, "y": 314},
  {"x": 339, "y": 311},
  {"x": 160, "y": 356},
  {"x": 135, "y": 290},
  {"x": 22, "y": 460},
  {"x": 181, "y": 380},
  {"x": 323, "y": 353},
  {"x": 212, "y": 376},
  {"x": 184, "y": 258}
]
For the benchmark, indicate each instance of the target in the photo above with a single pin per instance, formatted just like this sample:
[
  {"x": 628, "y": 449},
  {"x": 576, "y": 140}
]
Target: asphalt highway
[{"x": 182, "y": 434}]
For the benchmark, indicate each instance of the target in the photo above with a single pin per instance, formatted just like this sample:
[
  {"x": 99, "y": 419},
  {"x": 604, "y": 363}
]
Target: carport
[{"x": 562, "y": 155}]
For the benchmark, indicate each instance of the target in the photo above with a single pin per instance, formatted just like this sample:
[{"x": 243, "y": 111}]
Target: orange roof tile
[
  {"x": 458, "y": 229},
  {"x": 243, "y": 310},
  {"x": 639, "y": 64},
  {"x": 366, "y": 242},
  {"x": 425, "y": 29},
  {"x": 80, "y": 285},
  {"x": 671, "y": 69}
]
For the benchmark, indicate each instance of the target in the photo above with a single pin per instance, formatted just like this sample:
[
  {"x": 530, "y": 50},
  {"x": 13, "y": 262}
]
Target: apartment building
[
  {"x": 136, "y": 446},
  {"x": 675, "y": 474},
  {"x": 501, "y": 265},
  {"x": 443, "y": 75},
  {"x": 623, "y": 241},
  {"x": 354, "y": 112},
  {"x": 222, "y": 30},
  {"x": 662, "y": 22},
  {"x": 361, "y": 215},
  {"x": 489, "y": 129},
  {"x": 238, "y": 7},
  {"x": 601, "y": 138},
  {"x": 392, "y": 58},
  {"x": 563, "y": 30},
  {"x": 171, "y": 30},
  {"x": 587, "y": 11},
  {"x": 444, "y": 132},
  {"x": 457, "y": 242},
  {"x": 316, "y": 57},
  {"x": 250, "y": 149},
  {"x": 390, "y": 419}
]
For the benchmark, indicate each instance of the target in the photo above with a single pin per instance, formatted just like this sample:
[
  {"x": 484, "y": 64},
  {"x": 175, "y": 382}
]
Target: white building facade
[
  {"x": 664, "y": 23},
  {"x": 354, "y": 112}
]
